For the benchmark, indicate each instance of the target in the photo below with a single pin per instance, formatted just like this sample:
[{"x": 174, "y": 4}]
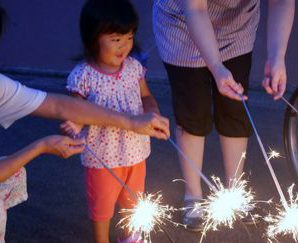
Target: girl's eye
[
  {"x": 130, "y": 38},
  {"x": 116, "y": 40}
]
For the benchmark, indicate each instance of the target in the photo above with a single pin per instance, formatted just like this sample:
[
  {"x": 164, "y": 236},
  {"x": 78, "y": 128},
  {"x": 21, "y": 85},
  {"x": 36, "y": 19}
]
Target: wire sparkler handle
[
  {"x": 205, "y": 179},
  {"x": 133, "y": 194},
  {"x": 278, "y": 187},
  {"x": 289, "y": 104}
]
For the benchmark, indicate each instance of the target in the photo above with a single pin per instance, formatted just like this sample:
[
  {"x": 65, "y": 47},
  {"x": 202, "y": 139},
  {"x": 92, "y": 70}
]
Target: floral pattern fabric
[
  {"x": 120, "y": 92},
  {"x": 13, "y": 191}
]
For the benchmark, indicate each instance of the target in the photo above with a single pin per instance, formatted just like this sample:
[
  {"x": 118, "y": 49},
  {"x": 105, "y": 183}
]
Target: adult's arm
[
  {"x": 280, "y": 22},
  {"x": 62, "y": 107},
  {"x": 202, "y": 33},
  {"x": 61, "y": 146}
]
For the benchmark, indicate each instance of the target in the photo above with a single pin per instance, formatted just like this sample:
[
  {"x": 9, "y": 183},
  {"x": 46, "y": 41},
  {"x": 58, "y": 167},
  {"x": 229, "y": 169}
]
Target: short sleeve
[
  {"x": 77, "y": 81},
  {"x": 140, "y": 70},
  {"x": 17, "y": 100}
]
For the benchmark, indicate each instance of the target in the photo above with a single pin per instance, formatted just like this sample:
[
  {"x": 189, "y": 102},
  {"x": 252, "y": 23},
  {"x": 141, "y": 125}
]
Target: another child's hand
[{"x": 70, "y": 128}]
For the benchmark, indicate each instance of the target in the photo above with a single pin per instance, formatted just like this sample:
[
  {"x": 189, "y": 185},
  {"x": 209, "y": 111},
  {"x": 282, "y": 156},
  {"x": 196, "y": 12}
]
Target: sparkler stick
[
  {"x": 278, "y": 187},
  {"x": 289, "y": 104},
  {"x": 113, "y": 174},
  {"x": 205, "y": 179}
]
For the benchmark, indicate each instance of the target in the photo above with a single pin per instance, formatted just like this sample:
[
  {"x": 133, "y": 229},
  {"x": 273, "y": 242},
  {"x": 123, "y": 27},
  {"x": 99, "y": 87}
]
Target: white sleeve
[{"x": 17, "y": 100}]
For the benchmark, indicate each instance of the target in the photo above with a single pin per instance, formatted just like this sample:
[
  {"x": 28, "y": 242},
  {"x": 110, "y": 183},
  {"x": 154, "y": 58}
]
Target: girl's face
[{"x": 113, "y": 49}]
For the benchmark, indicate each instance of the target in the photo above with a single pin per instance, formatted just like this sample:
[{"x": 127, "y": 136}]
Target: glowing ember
[
  {"x": 286, "y": 221},
  {"x": 226, "y": 205},
  {"x": 148, "y": 215}
]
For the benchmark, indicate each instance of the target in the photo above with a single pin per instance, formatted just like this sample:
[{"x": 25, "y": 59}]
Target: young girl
[{"x": 111, "y": 78}]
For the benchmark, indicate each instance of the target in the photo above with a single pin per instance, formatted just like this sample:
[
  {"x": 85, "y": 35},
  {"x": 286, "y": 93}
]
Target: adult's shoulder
[
  {"x": 4, "y": 80},
  {"x": 6, "y": 83}
]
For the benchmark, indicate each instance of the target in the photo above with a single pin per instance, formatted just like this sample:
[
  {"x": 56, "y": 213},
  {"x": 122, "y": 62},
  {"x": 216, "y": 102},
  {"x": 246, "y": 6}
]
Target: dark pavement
[{"x": 42, "y": 37}]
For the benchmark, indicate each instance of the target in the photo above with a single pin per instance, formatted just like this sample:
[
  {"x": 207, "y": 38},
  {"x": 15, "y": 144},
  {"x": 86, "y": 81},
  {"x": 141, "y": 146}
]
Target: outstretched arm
[
  {"x": 58, "y": 145},
  {"x": 83, "y": 112},
  {"x": 280, "y": 21}
]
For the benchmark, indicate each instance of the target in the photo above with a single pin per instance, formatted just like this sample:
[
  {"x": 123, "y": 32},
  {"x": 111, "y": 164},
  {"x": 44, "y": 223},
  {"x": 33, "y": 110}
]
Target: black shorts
[{"x": 194, "y": 91}]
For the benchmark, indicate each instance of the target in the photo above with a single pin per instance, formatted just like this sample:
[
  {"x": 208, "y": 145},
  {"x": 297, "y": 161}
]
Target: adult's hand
[
  {"x": 62, "y": 146},
  {"x": 226, "y": 84},
  {"x": 275, "y": 79},
  {"x": 151, "y": 124}
]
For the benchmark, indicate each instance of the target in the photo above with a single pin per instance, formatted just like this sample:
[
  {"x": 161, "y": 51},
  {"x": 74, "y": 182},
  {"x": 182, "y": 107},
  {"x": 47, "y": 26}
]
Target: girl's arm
[
  {"x": 280, "y": 22},
  {"x": 58, "y": 145},
  {"x": 201, "y": 30},
  {"x": 149, "y": 103}
]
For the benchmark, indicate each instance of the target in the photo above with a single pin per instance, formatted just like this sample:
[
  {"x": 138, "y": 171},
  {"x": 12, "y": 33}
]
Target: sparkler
[
  {"x": 267, "y": 159},
  {"x": 199, "y": 172},
  {"x": 285, "y": 222},
  {"x": 147, "y": 216},
  {"x": 289, "y": 104},
  {"x": 225, "y": 206}
]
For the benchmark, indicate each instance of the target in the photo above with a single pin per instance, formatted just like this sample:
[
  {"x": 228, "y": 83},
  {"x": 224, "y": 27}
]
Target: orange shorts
[{"x": 104, "y": 191}]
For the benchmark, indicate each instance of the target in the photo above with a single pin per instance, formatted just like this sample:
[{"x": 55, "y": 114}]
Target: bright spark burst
[
  {"x": 148, "y": 215},
  {"x": 286, "y": 220},
  {"x": 224, "y": 206},
  {"x": 273, "y": 154}
]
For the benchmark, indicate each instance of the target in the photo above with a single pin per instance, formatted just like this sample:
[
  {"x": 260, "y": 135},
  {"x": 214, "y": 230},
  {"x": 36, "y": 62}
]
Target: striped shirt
[{"x": 235, "y": 23}]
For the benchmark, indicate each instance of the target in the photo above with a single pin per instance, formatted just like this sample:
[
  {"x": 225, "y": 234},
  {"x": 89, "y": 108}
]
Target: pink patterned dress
[
  {"x": 13, "y": 191},
  {"x": 120, "y": 92}
]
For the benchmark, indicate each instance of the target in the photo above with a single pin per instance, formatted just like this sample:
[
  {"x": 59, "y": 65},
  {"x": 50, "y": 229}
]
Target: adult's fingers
[
  {"x": 274, "y": 83},
  {"x": 161, "y": 126},
  {"x": 267, "y": 85},
  {"x": 230, "y": 93},
  {"x": 76, "y": 142},
  {"x": 236, "y": 87},
  {"x": 159, "y": 134},
  {"x": 281, "y": 90},
  {"x": 72, "y": 150}
]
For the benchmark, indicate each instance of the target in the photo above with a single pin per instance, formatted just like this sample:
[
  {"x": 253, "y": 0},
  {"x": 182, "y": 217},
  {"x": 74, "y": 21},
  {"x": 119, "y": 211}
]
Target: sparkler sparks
[
  {"x": 225, "y": 206},
  {"x": 285, "y": 222},
  {"x": 147, "y": 216}
]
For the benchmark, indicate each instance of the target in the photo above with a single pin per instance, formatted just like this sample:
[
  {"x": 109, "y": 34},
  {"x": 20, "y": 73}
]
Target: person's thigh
[
  {"x": 229, "y": 115},
  {"x": 102, "y": 191},
  {"x": 135, "y": 181},
  {"x": 191, "y": 98}
]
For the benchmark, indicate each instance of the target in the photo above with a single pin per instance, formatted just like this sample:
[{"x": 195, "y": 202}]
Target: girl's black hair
[{"x": 105, "y": 17}]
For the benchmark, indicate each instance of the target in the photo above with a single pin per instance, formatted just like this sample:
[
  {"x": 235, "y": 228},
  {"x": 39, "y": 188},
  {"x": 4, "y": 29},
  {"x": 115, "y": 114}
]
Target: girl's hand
[
  {"x": 62, "y": 146},
  {"x": 275, "y": 78},
  {"x": 70, "y": 128},
  {"x": 226, "y": 84}
]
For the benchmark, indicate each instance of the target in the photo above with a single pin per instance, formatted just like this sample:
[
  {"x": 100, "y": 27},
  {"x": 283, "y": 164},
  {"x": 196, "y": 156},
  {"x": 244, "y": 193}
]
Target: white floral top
[
  {"x": 13, "y": 191},
  {"x": 120, "y": 92}
]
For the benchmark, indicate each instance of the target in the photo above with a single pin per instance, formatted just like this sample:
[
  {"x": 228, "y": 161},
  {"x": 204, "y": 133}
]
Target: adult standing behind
[{"x": 206, "y": 47}]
